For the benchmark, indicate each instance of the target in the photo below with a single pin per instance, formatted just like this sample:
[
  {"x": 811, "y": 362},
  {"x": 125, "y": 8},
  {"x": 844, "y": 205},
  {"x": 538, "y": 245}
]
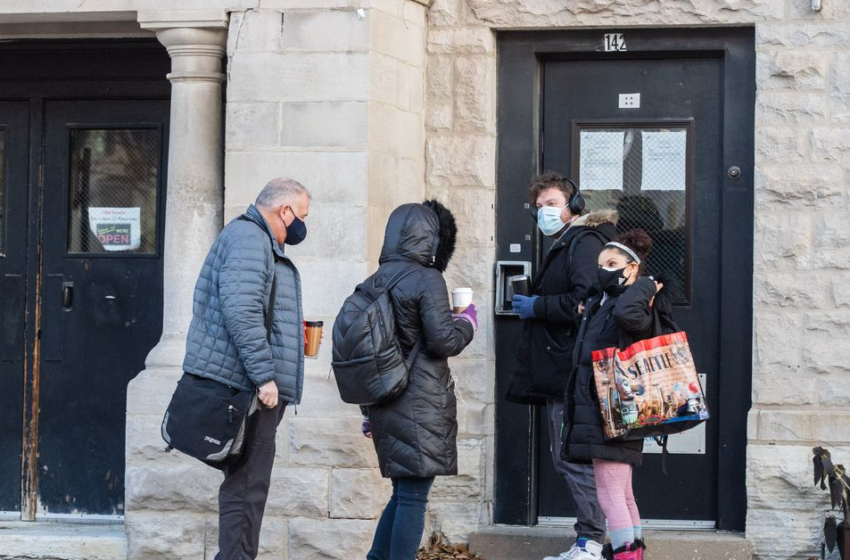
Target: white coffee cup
[{"x": 461, "y": 298}]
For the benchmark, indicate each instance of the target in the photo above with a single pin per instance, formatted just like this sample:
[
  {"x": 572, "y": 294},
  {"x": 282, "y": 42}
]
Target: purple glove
[
  {"x": 468, "y": 314},
  {"x": 366, "y": 427}
]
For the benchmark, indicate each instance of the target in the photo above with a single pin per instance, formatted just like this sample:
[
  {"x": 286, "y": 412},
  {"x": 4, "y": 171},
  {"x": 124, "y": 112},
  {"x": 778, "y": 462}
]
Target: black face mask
[
  {"x": 612, "y": 281},
  {"x": 296, "y": 232}
]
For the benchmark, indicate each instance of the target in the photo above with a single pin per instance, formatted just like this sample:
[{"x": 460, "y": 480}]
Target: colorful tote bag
[{"x": 650, "y": 389}]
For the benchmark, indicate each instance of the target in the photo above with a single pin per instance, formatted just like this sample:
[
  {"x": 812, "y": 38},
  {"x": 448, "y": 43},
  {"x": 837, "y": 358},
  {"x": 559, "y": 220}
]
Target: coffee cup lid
[{"x": 315, "y": 323}]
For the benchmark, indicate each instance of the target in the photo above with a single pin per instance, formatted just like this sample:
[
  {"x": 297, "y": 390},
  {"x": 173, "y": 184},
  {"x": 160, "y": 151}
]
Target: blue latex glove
[{"x": 524, "y": 305}]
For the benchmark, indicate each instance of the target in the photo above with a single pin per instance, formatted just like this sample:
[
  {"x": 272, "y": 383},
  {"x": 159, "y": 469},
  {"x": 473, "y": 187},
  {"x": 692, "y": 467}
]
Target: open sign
[
  {"x": 113, "y": 234},
  {"x": 117, "y": 229}
]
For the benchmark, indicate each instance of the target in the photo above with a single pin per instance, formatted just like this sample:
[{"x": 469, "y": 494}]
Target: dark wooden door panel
[
  {"x": 14, "y": 178},
  {"x": 102, "y": 289}
]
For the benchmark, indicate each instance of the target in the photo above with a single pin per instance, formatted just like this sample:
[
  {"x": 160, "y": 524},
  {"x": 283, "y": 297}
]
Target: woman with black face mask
[{"x": 617, "y": 315}]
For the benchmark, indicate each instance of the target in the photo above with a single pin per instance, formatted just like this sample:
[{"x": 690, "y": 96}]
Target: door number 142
[{"x": 614, "y": 42}]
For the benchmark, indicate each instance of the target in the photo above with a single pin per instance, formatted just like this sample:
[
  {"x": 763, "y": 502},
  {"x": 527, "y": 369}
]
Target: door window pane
[
  {"x": 2, "y": 186},
  {"x": 113, "y": 191},
  {"x": 643, "y": 173}
]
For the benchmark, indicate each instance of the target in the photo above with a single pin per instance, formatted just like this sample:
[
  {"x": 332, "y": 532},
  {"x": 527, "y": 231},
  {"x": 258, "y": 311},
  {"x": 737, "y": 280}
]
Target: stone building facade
[{"x": 371, "y": 103}]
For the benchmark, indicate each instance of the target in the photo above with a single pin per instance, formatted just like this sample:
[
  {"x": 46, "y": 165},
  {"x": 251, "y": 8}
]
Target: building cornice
[{"x": 156, "y": 20}]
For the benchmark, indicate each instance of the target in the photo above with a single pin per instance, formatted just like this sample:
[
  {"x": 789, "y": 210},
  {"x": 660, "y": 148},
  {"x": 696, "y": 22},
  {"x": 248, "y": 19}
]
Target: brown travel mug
[{"x": 312, "y": 338}]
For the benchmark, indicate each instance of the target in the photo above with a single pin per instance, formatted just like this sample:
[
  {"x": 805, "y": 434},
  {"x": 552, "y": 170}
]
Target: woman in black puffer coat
[
  {"x": 415, "y": 435},
  {"x": 621, "y": 314}
]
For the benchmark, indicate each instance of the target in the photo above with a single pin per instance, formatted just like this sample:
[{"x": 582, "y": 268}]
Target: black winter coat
[
  {"x": 415, "y": 435},
  {"x": 620, "y": 321},
  {"x": 545, "y": 351}
]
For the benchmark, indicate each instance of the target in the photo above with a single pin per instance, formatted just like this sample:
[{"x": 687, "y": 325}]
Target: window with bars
[
  {"x": 113, "y": 191},
  {"x": 642, "y": 171}
]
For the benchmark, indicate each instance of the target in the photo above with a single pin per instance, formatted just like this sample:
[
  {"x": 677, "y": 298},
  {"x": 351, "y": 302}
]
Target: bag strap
[{"x": 662, "y": 441}]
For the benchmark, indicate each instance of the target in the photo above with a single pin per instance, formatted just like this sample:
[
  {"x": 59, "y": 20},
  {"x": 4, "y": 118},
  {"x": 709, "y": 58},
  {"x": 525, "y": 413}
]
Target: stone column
[
  {"x": 156, "y": 483},
  {"x": 195, "y": 175}
]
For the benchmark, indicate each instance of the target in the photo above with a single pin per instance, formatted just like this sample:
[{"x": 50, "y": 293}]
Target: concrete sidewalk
[
  {"x": 533, "y": 543},
  {"x": 62, "y": 541}
]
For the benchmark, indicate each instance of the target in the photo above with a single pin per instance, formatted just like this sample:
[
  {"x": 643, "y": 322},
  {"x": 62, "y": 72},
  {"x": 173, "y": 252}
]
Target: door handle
[{"x": 67, "y": 295}]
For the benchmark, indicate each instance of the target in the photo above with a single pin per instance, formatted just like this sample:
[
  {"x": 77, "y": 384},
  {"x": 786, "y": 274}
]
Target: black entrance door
[
  {"x": 14, "y": 149},
  {"x": 651, "y": 133},
  {"x": 102, "y": 291},
  {"x": 83, "y": 218}
]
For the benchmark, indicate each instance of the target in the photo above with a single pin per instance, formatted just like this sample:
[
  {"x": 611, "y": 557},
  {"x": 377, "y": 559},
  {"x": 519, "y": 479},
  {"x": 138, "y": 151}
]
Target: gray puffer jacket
[
  {"x": 227, "y": 339},
  {"x": 415, "y": 435}
]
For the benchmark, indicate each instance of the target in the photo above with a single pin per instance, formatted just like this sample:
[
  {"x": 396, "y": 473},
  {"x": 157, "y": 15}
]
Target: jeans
[
  {"x": 400, "y": 529},
  {"x": 590, "y": 519}
]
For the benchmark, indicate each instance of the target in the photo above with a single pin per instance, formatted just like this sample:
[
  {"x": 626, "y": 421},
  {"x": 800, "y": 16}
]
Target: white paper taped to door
[
  {"x": 601, "y": 160},
  {"x": 117, "y": 229},
  {"x": 664, "y": 160}
]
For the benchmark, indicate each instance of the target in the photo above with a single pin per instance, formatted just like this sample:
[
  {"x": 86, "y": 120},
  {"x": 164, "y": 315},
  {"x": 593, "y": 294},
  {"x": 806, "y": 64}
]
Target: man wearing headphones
[{"x": 550, "y": 317}]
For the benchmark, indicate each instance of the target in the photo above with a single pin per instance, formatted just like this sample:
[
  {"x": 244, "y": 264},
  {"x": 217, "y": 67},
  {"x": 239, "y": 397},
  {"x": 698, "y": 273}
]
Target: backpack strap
[
  {"x": 396, "y": 279},
  {"x": 577, "y": 238},
  {"x": 390, "y": 285}
]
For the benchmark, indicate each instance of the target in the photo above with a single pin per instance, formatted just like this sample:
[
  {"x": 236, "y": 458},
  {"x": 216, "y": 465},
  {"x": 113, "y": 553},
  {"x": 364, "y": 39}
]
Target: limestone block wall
[
  {"x": 802, "y": 311},
  {"x": 333, "y": 98}
]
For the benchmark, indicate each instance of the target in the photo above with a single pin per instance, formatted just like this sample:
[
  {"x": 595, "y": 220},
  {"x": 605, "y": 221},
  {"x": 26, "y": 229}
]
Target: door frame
[
  {"x": 103, "y": 76},
  {"x": 521, "y": 55}
]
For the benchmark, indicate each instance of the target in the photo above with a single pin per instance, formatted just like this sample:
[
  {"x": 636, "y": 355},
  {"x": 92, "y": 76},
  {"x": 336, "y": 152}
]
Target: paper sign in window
[
  {"x": 116, "y": 229},
  {"x": 601, "y": 160},
  {"x": 664, "y": 160}
]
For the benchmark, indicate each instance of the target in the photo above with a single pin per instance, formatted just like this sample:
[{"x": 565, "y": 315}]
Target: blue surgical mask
[{"x": 549, "y": 220}]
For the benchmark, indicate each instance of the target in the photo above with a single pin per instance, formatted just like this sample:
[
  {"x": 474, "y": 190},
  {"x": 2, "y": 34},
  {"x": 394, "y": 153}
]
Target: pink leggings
[{"x": 614, "y": 490}]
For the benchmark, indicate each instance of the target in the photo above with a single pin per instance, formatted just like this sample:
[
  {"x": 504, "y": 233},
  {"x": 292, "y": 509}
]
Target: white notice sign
[
  {"x": 601, "y": 160},
  {"x": 117, "y": 229},
  {"x": 664, "y": 160}
]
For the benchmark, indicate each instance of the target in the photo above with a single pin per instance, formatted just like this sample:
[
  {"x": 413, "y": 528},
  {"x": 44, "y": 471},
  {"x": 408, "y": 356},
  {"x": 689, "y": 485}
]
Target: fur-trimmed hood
[
  {"x": 598, "y": 218},
  {"x": 425, "y": 233}
]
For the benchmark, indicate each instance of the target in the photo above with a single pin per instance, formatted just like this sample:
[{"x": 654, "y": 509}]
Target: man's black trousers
[{"x": 242, "y": 495}]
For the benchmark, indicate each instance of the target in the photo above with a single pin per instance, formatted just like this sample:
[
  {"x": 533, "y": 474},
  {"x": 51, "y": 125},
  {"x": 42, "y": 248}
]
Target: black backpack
[{"x": 368, "y": 363}]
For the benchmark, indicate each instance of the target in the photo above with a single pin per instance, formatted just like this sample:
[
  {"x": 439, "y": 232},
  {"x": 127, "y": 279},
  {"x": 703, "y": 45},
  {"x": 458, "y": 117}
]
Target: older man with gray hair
[{"x": 247, "y": 334}]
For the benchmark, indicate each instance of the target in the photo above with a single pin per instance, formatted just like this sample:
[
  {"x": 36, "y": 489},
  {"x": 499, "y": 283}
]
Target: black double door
[
  {"x": 658, "y": 137},
  {"x": 82, "y": 203}
]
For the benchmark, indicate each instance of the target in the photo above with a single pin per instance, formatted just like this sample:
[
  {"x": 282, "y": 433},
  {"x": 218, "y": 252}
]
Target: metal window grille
[
  {"x": 113, "y": 191},
  {"x": 643, "y": 174}
]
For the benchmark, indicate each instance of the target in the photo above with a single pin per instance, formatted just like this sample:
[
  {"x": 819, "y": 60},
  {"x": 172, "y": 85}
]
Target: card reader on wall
[{"x": 505, "y": 270}]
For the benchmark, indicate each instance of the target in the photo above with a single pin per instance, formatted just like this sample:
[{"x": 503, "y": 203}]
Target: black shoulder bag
[{"x": 206, "y": 423}]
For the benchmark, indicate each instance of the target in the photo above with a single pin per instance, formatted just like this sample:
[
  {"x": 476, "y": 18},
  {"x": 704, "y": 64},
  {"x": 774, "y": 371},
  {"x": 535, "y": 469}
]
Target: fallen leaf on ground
[{"x": 439, "y": 550}]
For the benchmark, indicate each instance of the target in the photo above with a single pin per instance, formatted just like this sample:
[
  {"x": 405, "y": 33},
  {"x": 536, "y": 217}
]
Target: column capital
[{"x": 195, "y": 40}]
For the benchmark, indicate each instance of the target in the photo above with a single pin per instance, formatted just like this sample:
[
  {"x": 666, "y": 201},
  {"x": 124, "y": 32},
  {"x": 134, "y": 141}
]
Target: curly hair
[
  {"x": 638, "y": 241},
  {"x": 549, "y": 180}
]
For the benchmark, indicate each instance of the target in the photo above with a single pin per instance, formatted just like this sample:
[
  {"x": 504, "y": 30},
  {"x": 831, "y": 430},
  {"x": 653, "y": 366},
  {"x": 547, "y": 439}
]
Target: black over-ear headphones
[{"x": 576, "y": 202}]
